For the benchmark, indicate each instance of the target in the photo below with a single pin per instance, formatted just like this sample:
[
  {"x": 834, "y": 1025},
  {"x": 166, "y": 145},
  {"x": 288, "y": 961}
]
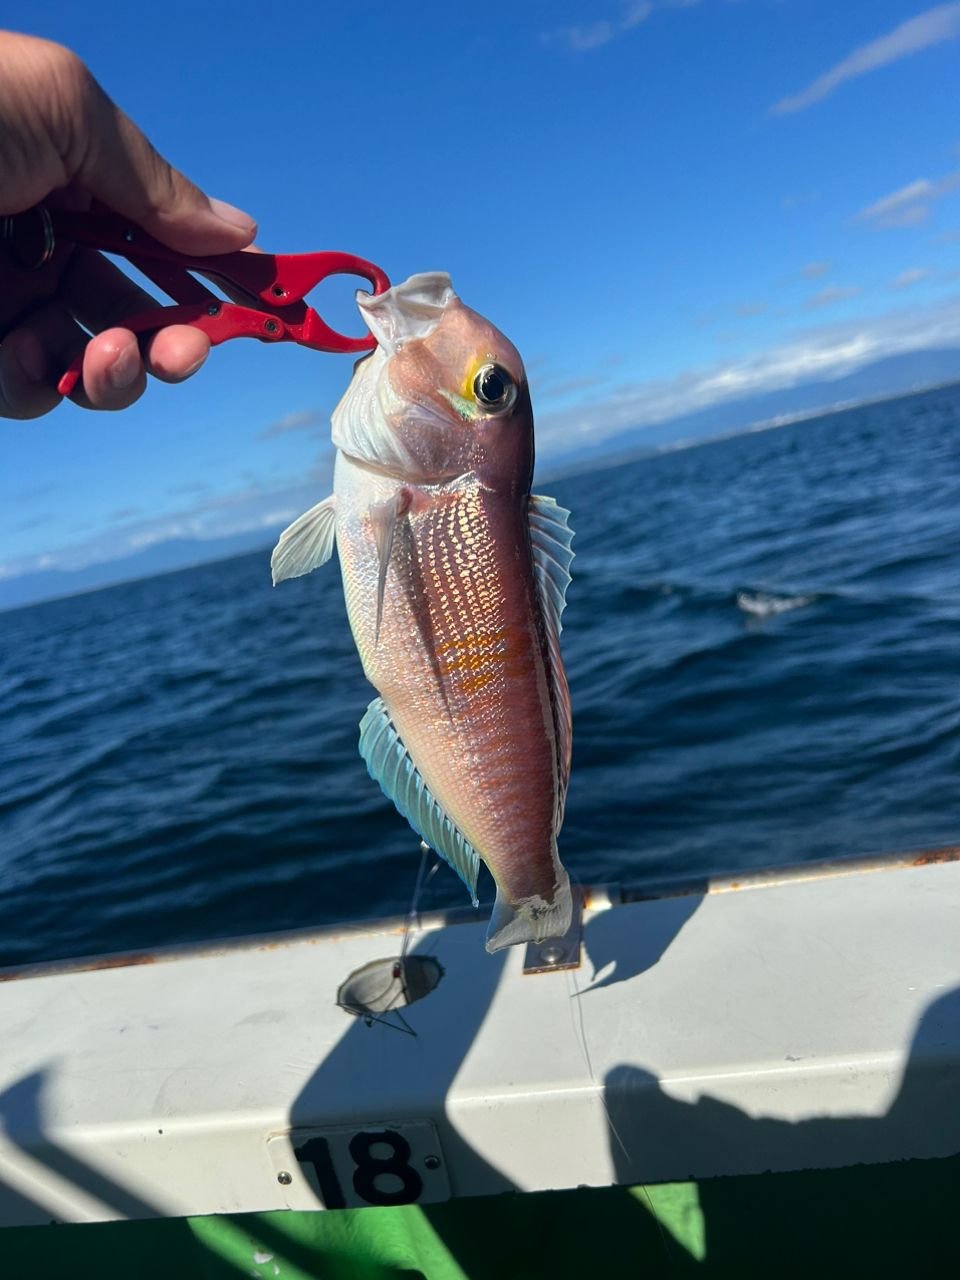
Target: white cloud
[
  {"x": 904, "y": 216},
  {"x": 583, "y": 39},
  {"x": 814, "y": 270},
  {"x": 636, "y": 12},
  {"x": 824, "y": 353},
  {"x": 821, "y": 353},
  {"x": 545, "y": 389},
  {"x": 147, "y": 537},
  {"x": 910, "y": 205},
  {"x": 304, "y": 421},
  {"x": 911, "y": 276},
  {"x": 797, "y": 198},
  {"x": 926, "y": 29},
  {"x": 231, "y": 513},
  {"x": 591, "y": 35},
  {"x": 831, "y": 294}
]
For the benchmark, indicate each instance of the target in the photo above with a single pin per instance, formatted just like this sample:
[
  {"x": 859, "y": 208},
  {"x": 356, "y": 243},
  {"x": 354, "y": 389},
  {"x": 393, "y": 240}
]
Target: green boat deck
[
  {"x": 880, "y": 1220},
  {"x": 757, "y": 1078}
]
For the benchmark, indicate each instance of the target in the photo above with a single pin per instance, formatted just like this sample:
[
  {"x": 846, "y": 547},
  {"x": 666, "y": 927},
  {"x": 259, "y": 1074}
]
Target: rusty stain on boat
[
  {"x": 596, "y": 898},
  {"x": 932, "y": 856}
]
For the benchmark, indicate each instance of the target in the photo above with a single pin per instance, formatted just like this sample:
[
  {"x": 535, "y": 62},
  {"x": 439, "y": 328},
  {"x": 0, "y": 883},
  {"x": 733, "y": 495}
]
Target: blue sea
[{"x": 763, "y": 645}]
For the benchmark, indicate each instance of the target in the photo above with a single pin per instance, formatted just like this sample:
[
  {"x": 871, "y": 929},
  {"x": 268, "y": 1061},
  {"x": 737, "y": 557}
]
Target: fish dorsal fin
[
  {"x": 307, "y": 543},
  {"x": 551, "y": 537},
  {"x": 389, "y": 763}
]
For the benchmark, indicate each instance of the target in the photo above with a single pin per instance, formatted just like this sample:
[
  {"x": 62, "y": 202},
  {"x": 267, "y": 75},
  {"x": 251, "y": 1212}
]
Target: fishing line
[
  {"x": 423, "y": 879},
  {"x": 398, "y": 968},
  {"x": 576, "y": 1016}
]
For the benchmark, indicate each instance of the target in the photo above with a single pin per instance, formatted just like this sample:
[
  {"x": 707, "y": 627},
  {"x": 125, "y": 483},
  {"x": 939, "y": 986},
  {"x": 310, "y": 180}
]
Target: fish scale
[
  {"x": 455, "y": 579},
  {"x": 483, "y": 734}
]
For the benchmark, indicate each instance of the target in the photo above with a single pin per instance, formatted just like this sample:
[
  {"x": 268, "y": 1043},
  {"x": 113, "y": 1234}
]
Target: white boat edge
[{"x": 708, "y": 1032}]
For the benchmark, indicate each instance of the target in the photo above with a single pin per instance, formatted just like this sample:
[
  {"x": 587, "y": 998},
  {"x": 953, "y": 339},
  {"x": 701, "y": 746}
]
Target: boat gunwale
[{"x": 595, "y": 898}]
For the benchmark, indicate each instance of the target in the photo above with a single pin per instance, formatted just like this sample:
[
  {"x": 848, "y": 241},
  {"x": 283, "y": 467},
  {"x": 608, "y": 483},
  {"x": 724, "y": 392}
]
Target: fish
[{"x": 455, "y": 578}]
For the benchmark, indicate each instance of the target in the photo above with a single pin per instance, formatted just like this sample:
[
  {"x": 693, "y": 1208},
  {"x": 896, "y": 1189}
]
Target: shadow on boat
[
  {"x": 491, "y": 1232},
  {"x": 372, "y": 1065},
  {"x": 22, "y": 1122},
  {"x": 883, "y": 1219},
  {"x": 611, "y": 944},
  {"x": 39, "y": 1203},
  {"x": 850, "y": 1189}
]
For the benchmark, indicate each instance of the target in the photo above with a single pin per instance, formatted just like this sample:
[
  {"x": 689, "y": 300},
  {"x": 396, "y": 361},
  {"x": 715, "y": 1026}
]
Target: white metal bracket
[{"x": 558, "y": 953}]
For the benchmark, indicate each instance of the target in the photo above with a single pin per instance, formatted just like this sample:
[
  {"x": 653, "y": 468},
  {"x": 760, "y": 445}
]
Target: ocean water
[{"x": 763, "y": 645}]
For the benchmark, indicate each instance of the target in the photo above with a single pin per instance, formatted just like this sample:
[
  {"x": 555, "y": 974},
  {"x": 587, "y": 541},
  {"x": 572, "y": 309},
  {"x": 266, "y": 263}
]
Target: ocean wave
[
  {"x": 178, "y": 757},
  {"x": 763, "y": 604}
]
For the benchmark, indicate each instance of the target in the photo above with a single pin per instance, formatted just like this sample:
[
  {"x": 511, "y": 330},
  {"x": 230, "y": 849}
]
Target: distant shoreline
[
  {"x": 622, "y": 457},
  {"x": 261, "y": 541}
]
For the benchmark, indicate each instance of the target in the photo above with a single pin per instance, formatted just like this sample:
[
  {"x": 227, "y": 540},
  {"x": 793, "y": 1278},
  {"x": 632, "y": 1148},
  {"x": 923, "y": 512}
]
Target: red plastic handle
[
  {"x": 221, "y": 321},
  {"x": 276, "y": 279},
  {"x": 280, "y": 282}
]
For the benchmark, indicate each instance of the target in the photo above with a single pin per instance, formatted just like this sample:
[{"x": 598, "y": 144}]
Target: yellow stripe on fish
[{"x": 481, "y": 658}]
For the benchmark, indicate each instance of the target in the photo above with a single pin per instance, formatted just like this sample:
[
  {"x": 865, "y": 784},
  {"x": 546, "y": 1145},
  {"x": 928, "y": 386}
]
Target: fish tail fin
[{"x": 530, "y": 919}]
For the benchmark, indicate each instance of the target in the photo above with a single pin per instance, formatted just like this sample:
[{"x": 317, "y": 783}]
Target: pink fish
[{"x": 455, "y": 578}]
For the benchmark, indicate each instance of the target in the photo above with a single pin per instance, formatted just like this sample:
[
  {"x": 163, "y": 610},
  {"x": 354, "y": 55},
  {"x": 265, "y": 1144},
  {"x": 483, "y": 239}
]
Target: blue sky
[{"x": 663, "y": 204}]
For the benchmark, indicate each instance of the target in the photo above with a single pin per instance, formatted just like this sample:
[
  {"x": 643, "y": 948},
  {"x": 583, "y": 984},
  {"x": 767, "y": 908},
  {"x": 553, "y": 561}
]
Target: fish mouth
[
  {"x": 407, "y": 311},
  {"x": 395, "y": 433}
]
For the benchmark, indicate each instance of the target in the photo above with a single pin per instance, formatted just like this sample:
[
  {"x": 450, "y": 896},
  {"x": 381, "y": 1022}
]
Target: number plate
[{"x": 352, "y": 1167}]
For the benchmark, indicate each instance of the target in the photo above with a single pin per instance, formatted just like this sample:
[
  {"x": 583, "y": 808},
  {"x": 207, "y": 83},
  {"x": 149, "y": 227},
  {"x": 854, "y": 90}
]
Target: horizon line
[{"x": 589, "y": 466}]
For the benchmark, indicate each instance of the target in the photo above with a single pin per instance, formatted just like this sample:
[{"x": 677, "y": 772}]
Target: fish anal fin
[
  {"x": 551, "y": 538},
  {"x": 307, "y": 543},
  {"x": 389, "y": 764}
]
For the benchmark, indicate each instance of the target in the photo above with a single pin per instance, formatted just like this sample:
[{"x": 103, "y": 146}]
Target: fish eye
[{"x": 493, "y": 387}]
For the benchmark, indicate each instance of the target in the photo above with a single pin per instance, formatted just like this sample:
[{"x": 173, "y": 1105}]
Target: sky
[{"x": 664, "y": 205}]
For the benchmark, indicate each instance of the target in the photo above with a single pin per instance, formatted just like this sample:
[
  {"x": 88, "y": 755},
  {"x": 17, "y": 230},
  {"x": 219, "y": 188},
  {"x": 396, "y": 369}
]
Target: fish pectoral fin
[
  {"x": 389, "y": 764},
  {"x": 551, "y": 538},
  {"x": 307, "y": 543},
  {"x": 384, "y": 516}
]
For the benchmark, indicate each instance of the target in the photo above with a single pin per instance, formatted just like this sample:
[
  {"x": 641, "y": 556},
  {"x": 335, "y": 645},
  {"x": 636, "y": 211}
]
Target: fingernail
[
  {"x": 191, "y": 369},
  {"x": 235, "y": 217},
  {"x": 125, "y": 369},
  {"x": 31, "y": 357}
]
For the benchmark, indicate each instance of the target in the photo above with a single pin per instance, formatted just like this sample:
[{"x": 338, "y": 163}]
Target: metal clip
[{"x": 558, "y": 953}]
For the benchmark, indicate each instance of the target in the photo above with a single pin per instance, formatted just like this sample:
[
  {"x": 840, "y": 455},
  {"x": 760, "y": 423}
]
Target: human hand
[{"x": 62, "y": 140}]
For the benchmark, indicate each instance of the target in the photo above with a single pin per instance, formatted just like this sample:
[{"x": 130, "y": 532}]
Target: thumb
[{"x": 115, "y": 162}]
